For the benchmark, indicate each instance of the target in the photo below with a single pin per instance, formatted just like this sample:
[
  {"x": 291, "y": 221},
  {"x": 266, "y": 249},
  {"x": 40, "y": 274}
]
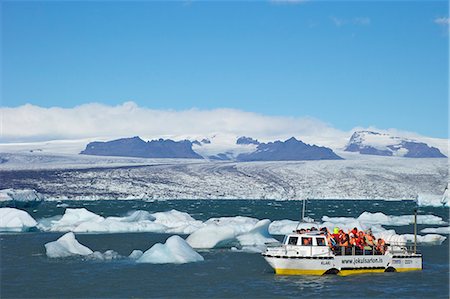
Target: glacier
[{"x": 60, "y": 177}]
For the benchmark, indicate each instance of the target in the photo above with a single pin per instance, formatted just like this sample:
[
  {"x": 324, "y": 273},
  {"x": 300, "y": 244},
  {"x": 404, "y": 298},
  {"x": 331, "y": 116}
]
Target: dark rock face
[
  {"x": 289, "y": 150},
  {"x": 136, "y": 147},
  {"x": 247, "y": 140},
  {"x": 421, "y": 150},
  {"x": 390, "y": 146}
]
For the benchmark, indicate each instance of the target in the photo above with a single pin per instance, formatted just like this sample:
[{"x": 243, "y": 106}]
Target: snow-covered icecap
[
  {"x": 15, "y": 220},
  {"x": 433, "y": 200},
  {"x": 20, "y": 195},
  {"x": 65, "y": 246},
  {"x": 175, "y": 251},
  {"x": 229, "y": 231}
]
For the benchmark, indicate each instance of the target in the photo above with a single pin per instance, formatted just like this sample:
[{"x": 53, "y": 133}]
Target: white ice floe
[
  {"x": 82, "y": 220},
  {"x": 430, "y": 239},
  {"x": 108, "y": 255},
  {"x": 436, "y": 230},
  {"x": 174, "y": 251},
  {"x": 232, "y": 231},
  {"x": 177, "y": 222},
  {"x": 367, "y": 218},
  {"x": 212, "y": 236},
  {"x": 66, "y": 246},
  {"x": 20, "y": 195},
  {"x": 15, "y": 220},
  {"x": 433, "y": 200},
  {"x": 257, "y": 238}
]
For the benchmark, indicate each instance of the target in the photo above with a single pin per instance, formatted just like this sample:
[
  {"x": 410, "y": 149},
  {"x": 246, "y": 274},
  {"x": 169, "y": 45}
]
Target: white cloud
[
  {"x": 30, "y": 123},
  {"x": 442, "y": 21},
  {"x": 33, "y": 123}
]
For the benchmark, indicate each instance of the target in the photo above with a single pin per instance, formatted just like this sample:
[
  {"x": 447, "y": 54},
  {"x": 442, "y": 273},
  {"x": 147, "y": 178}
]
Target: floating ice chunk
[
  {"x": 135, "y": 216},
  {"x": 15, "y": 220},
  {"x": 19, "y": 195},
  {"x": 65, "y": 246},
  {"x": 82, "y": 220},
  {"x": 175, "y": 250},
  {"x": 284, "y": 227},
  {"x": 108, "y": 255},
  {"x": 433, "y": 200},
  {"x": 135, "y": 254},
  {"x": 259, "y": 235},
  {"x": 177, "y": 222},
  {"x": 239, "y": 224},
  {"x": 367, "y": 219},
  {"x": 391, "y": 237},
  {"x": 431, "y": 239},
  {"x": 212, "y": 236},
  {"x": 437, "y": 230}
]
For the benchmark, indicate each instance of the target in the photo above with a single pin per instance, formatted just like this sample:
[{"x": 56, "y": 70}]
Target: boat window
[
  {"x": 293, "y": 240},
  {"x": 307, "y": 241},
  {"x": 320, "y": 242}
]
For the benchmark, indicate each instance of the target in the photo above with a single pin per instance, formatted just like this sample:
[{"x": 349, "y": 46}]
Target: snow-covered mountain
[
  {"x": 374, "y": 143},
  {"x": 136, "y": 147},
  {"x": 289, "y": 150}
]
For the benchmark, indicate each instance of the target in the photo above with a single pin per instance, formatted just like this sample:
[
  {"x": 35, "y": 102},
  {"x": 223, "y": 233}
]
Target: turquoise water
[{"x": 26, "y": 272}]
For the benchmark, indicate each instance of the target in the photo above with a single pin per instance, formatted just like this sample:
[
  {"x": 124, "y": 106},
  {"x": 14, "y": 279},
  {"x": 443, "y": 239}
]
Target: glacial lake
[{"x": 26, "y": 271}]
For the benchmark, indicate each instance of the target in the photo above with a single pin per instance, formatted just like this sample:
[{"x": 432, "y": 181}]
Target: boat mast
[
  {"x": 415, "y": 230},
  {"x": 303, "y": 210}
]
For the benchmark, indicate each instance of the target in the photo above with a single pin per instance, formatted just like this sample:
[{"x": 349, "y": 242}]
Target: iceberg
[
  {"x": 174, "y": 251},
  {"x": 212, "y": 236},
  {"x": 82, "y": 220},
  {"x": 367, "y": 219},
  {"x": 232, "y": 231},
  {"x": 177, "y": 222},
  {"x": 22, "y": 195},
  {"x": 437, "y": 230},
  {"x": 66, "y": 246},
  {"x": 431, "y": 239},
  {"x": 15, "y": 220},
  {"x": 256, "y": 239},
  {"x": 433, "y": 200}
]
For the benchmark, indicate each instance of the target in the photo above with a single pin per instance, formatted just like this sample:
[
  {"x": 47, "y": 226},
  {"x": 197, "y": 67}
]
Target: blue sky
[{"x": 382, "y": 64}]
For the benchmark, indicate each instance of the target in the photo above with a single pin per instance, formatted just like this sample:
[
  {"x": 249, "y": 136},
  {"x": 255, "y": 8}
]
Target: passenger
[
  {"x": 313, "y": 229},
  {"x": 381, "y": 246},
  {"x": 345, "y": 241},
  {"x": 360, "y": 241},
  {"x": 335, "y": 235},
  {"x": 302, "y": 231},
  {"x": 354, "y": 232},
  {"x": 370, "y": 239},
  {"x": 324, "y": 231}
]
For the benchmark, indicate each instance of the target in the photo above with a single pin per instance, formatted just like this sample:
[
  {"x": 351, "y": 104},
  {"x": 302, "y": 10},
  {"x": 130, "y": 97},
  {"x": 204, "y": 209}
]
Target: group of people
[{"x": 354, "y": 241}]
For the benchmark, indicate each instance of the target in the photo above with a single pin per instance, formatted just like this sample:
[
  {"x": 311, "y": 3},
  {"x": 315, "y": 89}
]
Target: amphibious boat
[{"x": 310, "y": 254}]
